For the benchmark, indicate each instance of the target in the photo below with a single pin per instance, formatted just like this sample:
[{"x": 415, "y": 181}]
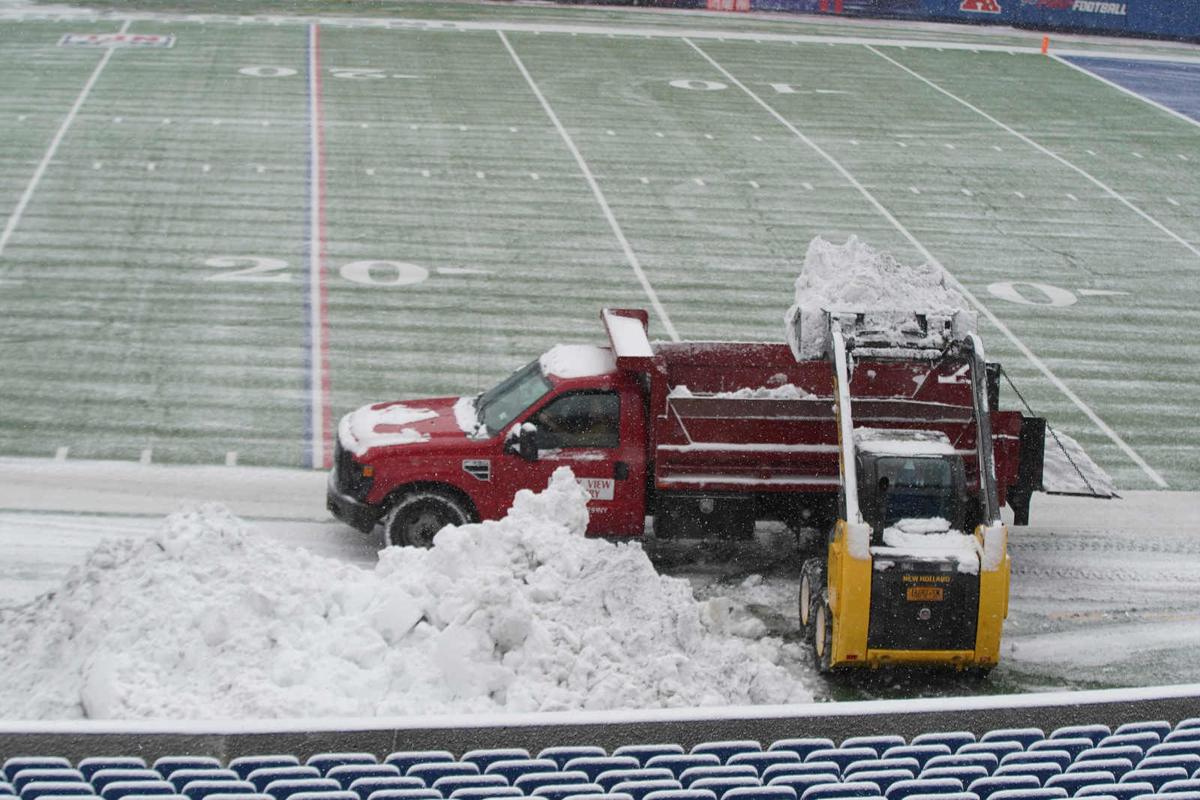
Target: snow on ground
[{"x": 207, "y": 618}]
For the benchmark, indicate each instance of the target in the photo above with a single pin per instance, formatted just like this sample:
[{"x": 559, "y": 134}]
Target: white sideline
[
  {"x": 27, "y": 195},
  {"x": 576, "y": 718},
  {"x": 1121, "y": 88},
  {"x": 899, "y": 226},
  {"x": 630, "y": 256}
]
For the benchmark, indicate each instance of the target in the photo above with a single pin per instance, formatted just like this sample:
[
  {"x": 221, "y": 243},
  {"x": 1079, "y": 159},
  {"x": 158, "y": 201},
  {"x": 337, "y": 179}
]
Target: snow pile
[
  {"x": 928, "y": 538},
  {"x": 787, "y": 391},
  {"x": 856, "y": 277},
  {"x": 208, "y": 619},
  {"x": 382, "y": 425},
  {"x": 577, "y": 361}
]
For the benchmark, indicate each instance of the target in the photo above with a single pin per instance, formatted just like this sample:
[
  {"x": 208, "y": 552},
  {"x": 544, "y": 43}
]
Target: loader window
[
  {"x": 916, "y": 488},
  {"x": 581, "y": 419},
  {"x": 504, "y": 402}
]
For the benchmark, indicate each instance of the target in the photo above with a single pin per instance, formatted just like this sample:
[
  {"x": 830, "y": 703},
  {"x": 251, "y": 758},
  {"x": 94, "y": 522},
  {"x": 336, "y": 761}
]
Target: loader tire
[
  {"x": 812, "y": 584},
  {"x": 822, "y": 639},
  {"x": 416, "y": 518}
]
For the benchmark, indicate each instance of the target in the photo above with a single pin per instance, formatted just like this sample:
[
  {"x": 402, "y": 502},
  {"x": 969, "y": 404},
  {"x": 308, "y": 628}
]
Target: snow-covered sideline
[
  {"x": 856, "y": 277},
  {"x": 209, "y": 619},
  {"x": 577, "y": 361}
]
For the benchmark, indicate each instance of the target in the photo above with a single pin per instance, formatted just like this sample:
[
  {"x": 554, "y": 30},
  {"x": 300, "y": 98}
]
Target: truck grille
[{"x": 350, "y": 479}]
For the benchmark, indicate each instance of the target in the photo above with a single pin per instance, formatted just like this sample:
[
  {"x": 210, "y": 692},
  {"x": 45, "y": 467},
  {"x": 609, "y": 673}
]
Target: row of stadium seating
[{"x": 1137, "y": 761}]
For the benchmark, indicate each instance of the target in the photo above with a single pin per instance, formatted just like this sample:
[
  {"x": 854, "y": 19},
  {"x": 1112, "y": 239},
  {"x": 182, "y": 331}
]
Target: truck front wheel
[{"x": 417, "y": 518}]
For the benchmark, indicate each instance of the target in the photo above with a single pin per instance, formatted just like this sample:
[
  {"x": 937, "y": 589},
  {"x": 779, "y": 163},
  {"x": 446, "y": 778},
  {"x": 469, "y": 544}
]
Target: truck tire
[
  {"x": 812, "y": 584},
  {"x": 822, "y": 639},
  {"x": 417, "y": 517}
]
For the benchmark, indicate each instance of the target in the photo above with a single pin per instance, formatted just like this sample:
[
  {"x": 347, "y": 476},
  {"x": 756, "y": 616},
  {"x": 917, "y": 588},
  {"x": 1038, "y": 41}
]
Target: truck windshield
[
  {"x": 916, "y": 488},
  {"x": 504, "y": 402}
]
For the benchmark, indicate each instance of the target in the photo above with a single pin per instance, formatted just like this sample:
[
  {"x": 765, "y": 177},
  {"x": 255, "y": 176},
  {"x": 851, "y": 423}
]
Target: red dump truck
[{"x": 704, "y": 437}]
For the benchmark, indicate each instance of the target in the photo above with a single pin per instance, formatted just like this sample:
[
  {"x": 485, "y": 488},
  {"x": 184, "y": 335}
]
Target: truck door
[{"x": 583, "y": 430}]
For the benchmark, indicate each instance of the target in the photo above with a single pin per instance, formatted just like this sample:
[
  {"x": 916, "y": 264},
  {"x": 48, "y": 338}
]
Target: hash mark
[
  {"x": 902, "y": 144},
  {"x": 967, "y": 192},
  {"x": 610, "y": 132},
  {"x": 757, "y": 138},
  {"x": 1072, "y": 197},
  {"x": 363, "y": 125},
  {"x": 644, "y": 179},
  {"x": 1020, "y": 195},
  {"x": 414, "y": 127},
  {"x": 462, "y": 127},
  {"x": 166, "y": 121},
  {"x": 998, "y": 148},
  {"x": 231, "y": 458},
  {"x": 206, "y": 168},
  {"x": 150, "y": 166},
  {"x": 949, "y": 146},
  {"x": 259, "y": 168},
  {"x": 22, "y": 118},
  {"x": 914, "y": 190},
  {"x": 97, "y": 164},
  {"x": 480, "y": 174},
  {"x": 754, "y": 184},
  {"x": 534, "y": 176},
  {"x": 807, "y": 185},
  {"x": 708, "y": 136},
  {"x": 424, "y": 173},
  {"x": 61, "y": 453},
  {"x": 512, "y": 129},
  {"x": 370, "y": 170},
  {"x": 117, "y": 120},
  {"x": 698, "y": 181},
  {"x": 145, "y": 457},
  {"x": 854, "y": 142},
  {"x": 659, "y": 134}
]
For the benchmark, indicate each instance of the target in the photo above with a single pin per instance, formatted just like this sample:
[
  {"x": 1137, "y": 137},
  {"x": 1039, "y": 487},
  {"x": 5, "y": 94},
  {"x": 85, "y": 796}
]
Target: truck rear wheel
[
  {"x": 812, "y": 583},
  {"x": 417, "y": 518},
  {"x": 822, "y": 639}
]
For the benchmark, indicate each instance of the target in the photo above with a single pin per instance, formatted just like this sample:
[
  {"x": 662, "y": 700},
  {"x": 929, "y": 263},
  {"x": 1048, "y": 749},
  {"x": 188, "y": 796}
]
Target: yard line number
[{"x": 260, "y": 269}]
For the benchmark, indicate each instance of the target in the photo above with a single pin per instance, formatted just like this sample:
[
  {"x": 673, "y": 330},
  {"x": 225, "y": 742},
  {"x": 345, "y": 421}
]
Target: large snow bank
[
  {"x": 208, "y": 619},
  {"x": 856, "y": 277}
]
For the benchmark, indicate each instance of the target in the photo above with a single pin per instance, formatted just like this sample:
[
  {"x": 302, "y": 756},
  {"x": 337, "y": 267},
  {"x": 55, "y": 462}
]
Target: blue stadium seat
[
  {"x": 103, "y": 777},
  {"x": 760, "y": 761},
  {"x": 1190, "y": 722},
  {"x": 1072, "y": 782},
  {"x": 1093, "y": 733},
  {"x": 679, "y": 763},
  {"x": 907, "y": 763},
  {"x": 644, "y": 752},
  {"x": 809, "y": 768},
  {"x": 528, "y": 783},
  {"x": 986, "y": 787},
  {"x": 1160, "y": 727},
  {"x": 723, "y": 750},
  {"x": 883, "y": 778},
  {"x": 432, "y": 772},
  {"x": 921, "y": 752},
  {"x": 201, "y": 789},
  {"x": 592, "y": 766},
  {"x": 168, "y": 765},
  {"x": 327, "y": 761},
  {"x": 562, "y": 754},
  {"x": 122, "y": 789},
  {"x": 612, "y": 777},
  {"x": 337, "y": 794},
  {"x": 1186, "y": 761},
  {"x": 36, "y": 789},
  {"x": 760, "y": 793},
  {"x": 285, "y": 788},
  {"x": 1024, "y": 736},
  {"x": 880, "y": 743},
  {"x": 265, "y": 776},
  {"x": 405, "y": 794},
  {"x": 1155, "y": 777},
  {"x": 483, "y": 758},
  {"x": 663, "y": 794},
  {"x": 997, "y": 749},
  {"x": 986, "y": 760},
  {"x": 1071, "y": 747},
  {"x": 1175, "y": 795},
  {"x": 15, "y": 764},
  {"x": 513, "y": 768},
  {"x": 966, "y": 774},
  {"x": 903, "y": 789},
  {"x": 156, "y": 797},
  {"x": 638, "y": 790},
  {"x": 1183, "y": 735},
  {"x": 843, "y": 758},
  {"x": 1134, "y": 754},
  {"x": 346, "y": 774},
  {"x": 45, "y": 775},
  {"x": 719, "y": 786},
  {"x": 406, "y": 759},
  {"x": 561, "y": 791},
  {"x": 615, "y": 796},
  {"x": 182, "y": 777},
  {"x": 1180, "y": 787},
  {"x": 836, "y": 791},
  {"x": 1060, "y": 757},
  {"x": 1117, "y": 766},
  {"x": 1121, "y": 791},
  {"x": 952, "y": 739},
  {"x": 1177, "y": 747},
  {"x": 801, "y": 747},
  {"x": 239, "y": 796},
  {"x": 693, "y": 774},
  {"x": 1029, "y": 794},
  {"x": 90, "y": 766},
  {"x": 450, "y": 783},
  {"x": 799, "y": 783},
  {"x": 365, "y": 787},
  {"x": 485, "y": 792},
  {"x": 244, "y": 765},
  {"x": 1042, "y": 771},
  {"x": 1144, "y": 741},
  {"x": 951, "y": 796}
]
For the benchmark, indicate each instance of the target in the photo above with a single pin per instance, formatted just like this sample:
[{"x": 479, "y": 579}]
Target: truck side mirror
[{"x": 522, "y": 440}]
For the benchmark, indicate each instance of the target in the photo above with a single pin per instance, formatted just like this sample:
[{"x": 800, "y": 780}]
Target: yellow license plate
[{"x": 925, "y": 594}]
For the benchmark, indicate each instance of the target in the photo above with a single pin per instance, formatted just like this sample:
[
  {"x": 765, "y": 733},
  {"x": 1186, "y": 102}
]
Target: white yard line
[
  {"x": 630, "y": 256},
  {"x": 1113, "y": 193},
  {"x": 14, "y": 219},
  {"x": 1004, "y": 329},
  {"x": 1130, "y": 92}
]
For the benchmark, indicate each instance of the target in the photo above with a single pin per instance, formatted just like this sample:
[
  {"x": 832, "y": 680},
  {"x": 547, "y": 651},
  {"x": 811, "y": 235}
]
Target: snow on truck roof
[
  {"x": 897, "y": 442},
  {"x": 577, "y": 361}
]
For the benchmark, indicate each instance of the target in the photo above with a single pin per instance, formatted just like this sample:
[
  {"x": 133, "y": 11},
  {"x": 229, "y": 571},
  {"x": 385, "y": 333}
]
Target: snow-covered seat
[
  {"x": 952, "y": 739},
  {"x": 836, "y": 791},
  {"x": 182, "y": 777},
  {"x": 406, "y": 760},
  {"x": 346, "y": 774},
  {"x": 762, "y": 760},
  {"x": 119, "y": 790},
  {"x": 327, "y": 761},
  {"x": 29, "y": 775},
  {"x": 801, "y": 747},
  {"x": 484, "y": 758},
  {"x": 91, "y": 765},
  {"x": 284, "y": 789},
  {"x": 612, "y": 777},
  {"x": 880, "y": 743},
  {"x": 244, "y": 765},
  {"x": 644, "y": 752},
  {"x": 203, "y": 788},
  {"x": 918, "y": 786},
  {"x": 1023, "y": 736},
  {"x": 512, "y": 768},
  {"x": 169, "y": 765},
  {"x": 921, "y": 752},
  {"x": 365, "y": 787},
  {"x": 678, "y": 763},
  {"x": 724, "y": 749},
  {"x": 265, "y": 776},
  {"x": 16, "y": 764}
]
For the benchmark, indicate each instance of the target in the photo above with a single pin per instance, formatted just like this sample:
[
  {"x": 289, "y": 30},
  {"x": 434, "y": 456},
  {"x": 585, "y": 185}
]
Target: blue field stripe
[{"x": 1173, "y": 84}]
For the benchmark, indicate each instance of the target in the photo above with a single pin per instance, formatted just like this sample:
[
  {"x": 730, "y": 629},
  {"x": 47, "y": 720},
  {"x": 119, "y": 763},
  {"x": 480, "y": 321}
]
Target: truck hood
[{"x": 405, "y": 424}]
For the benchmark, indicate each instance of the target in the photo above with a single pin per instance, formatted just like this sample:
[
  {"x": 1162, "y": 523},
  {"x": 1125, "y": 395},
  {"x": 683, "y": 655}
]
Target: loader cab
[{"x": 905, "y": 474}]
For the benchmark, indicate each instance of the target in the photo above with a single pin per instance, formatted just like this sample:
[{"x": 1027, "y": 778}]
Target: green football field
[{"x": 220, "y": 234}]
